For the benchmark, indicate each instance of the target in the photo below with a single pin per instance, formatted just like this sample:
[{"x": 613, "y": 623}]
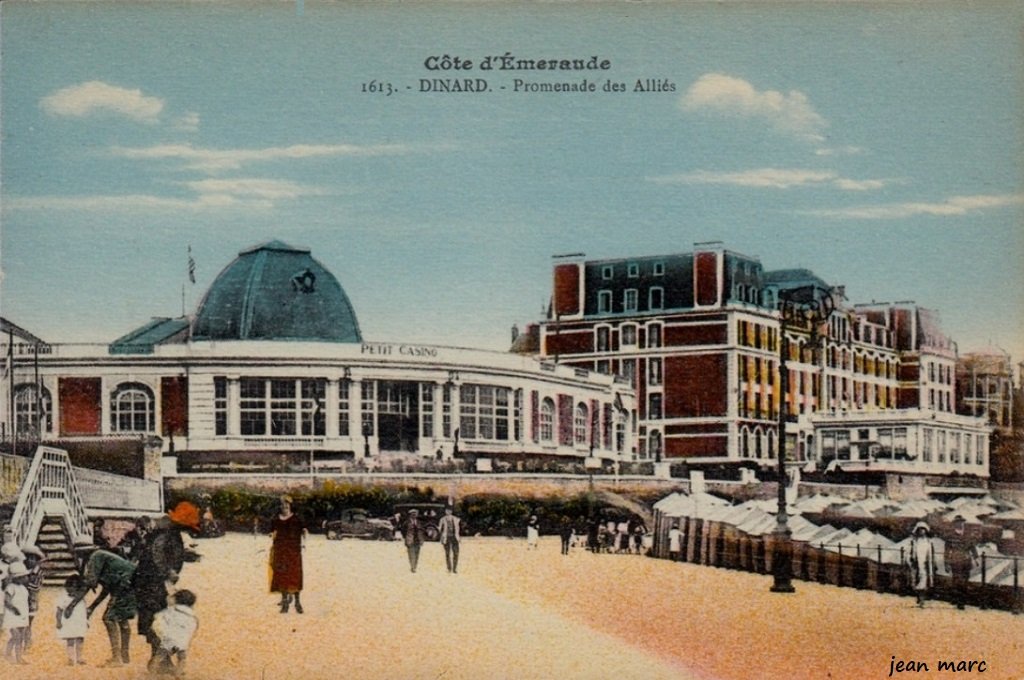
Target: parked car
[
  {"x": 357, "y": 523},
  {"x": 430, "y": 515}
]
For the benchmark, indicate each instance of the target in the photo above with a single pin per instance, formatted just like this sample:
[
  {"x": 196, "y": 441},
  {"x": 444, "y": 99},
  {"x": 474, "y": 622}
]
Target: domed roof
[{"x": 276, "y": 292}]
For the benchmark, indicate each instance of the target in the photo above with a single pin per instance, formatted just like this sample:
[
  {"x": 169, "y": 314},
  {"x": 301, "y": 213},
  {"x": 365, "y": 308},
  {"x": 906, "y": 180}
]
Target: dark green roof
[
  {"x": 141, "y": 340},
  {"x": 276, "y": 292}
]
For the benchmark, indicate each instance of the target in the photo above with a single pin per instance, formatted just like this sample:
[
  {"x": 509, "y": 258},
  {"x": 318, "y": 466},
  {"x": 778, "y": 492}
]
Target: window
[
  {"x": 942, "y": 446},
  {"x": 601, "y": 340},
  {"x": 628, "y": 334},
  {"x": 654, "y": 372},
  {"x": 547, "y": 420},
  {"x": 828, "y": 445},
  {"x": 843, "y": 444},
  {"x": 633, "y": 270},
  {"x": 654, "y": 335},
  {"x": 28, "y": 399},
  {"x": 979, "y": 450},
  {"x": 607, "y": 271},
  {"x": 368, "y": 392},
  {"x": 344, "y": 407},
  {"x": 579, "y": 425},
  {"x": 131, "y": 408},
  {"x": 426, "y": 409},
  {"x": 654, "y": 409},
  {"x": 253, "y": 406},
  {"x": 655, "y": 444},
  {"x": 656, "y": 298},
  {"x": 628, "y": 371},
  {"x": 517, "y": 416},
  {"x": 282, "y": 407},
  {"x": 484, "y": 412},
  {"x": 604, "y": 302},
  {"x": 954, "y": 447},
  {"x": 220, "y": 405},
  {"x": 446, "y": 410},
  {"x": 927, "y": 439},
  {"x": 658, "y": 269},
  {"x": 629, "y": 298},
  {"x": 311, "y": 409}
]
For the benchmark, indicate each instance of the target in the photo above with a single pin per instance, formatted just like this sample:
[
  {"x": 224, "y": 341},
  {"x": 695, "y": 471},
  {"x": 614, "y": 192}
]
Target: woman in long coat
[
  {"x": 287, "y": 532},
  {"x": 922, "y": 562}
]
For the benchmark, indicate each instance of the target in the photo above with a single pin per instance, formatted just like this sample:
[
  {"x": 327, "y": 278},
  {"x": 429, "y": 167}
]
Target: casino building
[
  {"x": 697, "y": 334},
  {"x": 273, "y": 370}
]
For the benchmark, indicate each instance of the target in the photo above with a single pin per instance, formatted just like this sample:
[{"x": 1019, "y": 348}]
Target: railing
[{"x": 50, "y": 487}]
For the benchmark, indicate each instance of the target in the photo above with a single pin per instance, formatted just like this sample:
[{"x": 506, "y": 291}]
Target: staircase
[
  {"x": 53, "y": 540},
  {"x": 50, "y": 513}
]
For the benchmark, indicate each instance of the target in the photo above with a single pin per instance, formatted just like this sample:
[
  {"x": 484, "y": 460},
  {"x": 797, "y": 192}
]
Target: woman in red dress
[{"x": 286, "y": 556}]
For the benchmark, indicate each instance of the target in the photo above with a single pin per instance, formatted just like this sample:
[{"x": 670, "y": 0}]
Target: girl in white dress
[{"x": 72, "y": 619}]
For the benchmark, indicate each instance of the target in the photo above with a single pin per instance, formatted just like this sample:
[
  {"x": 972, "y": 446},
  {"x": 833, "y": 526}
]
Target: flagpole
[{"x": 10, "y": 374}]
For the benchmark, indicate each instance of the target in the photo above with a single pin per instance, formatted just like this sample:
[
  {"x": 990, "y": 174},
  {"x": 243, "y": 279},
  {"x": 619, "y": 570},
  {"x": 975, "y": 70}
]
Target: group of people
[
  {"x": 21, "y": 577},
  {"x": 960, "y": 556},
  {"x": 288, "y": 534},
  {"x": 136, "y": 578}
]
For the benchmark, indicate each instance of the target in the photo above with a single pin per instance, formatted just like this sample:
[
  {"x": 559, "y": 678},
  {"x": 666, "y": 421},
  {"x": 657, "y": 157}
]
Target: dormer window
[{"x": 633, "y": 270}]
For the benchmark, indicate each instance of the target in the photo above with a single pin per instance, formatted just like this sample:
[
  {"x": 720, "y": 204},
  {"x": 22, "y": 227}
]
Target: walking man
[
  {"x": 450, "y": 535},
  {"x": 412, "y": 534},
  {"x": 960, "y": 556}
]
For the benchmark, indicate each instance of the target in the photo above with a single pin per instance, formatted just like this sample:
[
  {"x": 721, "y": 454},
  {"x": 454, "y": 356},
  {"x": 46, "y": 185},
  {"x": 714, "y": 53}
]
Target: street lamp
[{"x": 803, "y": 308}]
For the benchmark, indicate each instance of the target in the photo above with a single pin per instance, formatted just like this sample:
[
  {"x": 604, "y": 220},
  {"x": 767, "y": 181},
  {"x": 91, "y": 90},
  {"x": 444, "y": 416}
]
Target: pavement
[{"x": 513, "y": 613}]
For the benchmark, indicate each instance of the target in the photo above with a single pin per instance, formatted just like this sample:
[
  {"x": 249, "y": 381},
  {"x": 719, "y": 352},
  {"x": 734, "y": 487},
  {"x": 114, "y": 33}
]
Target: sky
[{"x": 879, "y": 145}]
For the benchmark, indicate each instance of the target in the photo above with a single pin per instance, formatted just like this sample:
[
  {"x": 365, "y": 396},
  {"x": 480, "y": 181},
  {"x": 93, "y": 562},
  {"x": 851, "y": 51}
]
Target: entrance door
[{"x": 398, "y": 415}]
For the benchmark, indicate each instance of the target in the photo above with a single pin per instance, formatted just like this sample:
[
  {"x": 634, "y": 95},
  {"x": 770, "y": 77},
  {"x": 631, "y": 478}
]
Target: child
[
  {"x": 34, "y": 558},
  {"x": 16, "y": 611},
  {"x": 72, "y": 620},
  {"x": 174, "y": 627}
]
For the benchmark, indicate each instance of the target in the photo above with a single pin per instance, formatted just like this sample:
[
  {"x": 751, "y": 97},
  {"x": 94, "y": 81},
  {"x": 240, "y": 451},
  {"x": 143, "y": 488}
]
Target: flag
[
  {"x": 619, "y": 406},
  {"x": 191, "y": 266}
]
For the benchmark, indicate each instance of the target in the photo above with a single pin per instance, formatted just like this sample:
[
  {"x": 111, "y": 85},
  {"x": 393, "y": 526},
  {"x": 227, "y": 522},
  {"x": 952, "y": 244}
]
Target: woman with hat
[
  {"x": 287, "y": 532},
  {"x": 922, "y": 561}
]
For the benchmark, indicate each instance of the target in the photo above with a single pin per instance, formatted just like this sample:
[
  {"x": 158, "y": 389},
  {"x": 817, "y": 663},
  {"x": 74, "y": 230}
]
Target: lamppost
[{"x": 803, "y": 308}]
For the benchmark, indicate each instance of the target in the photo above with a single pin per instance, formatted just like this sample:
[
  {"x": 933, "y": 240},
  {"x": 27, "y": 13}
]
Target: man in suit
[
  {"x": 450, "y": 535},
  {"x": 413, "y": 535}
]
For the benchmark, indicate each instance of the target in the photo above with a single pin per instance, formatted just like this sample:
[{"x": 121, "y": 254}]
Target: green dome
[{"x": 276, "y": 292}]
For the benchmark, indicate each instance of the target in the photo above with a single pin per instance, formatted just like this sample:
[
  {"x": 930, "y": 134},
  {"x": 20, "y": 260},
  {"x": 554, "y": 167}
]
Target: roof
[
  {"x": 7, "y": 327},
  {"x": 792, "y": 278},
  {"x": 274, "y": 291},
  {"x": 142, "y": 340}
]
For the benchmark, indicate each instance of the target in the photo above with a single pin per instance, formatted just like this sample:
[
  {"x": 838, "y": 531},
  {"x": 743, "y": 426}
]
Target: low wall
[{"x": 525, "y": 485}]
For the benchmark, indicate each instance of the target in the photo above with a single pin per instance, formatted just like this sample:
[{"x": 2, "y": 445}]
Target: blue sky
[{"x": 879, "y": 145}]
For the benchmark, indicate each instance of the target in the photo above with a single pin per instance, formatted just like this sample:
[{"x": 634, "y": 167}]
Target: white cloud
[
  {"x": 86, "y": 99},
  {"x": 187, "y": 123},
  {"x": 269, "y": 189},
  {"x": 839, "y": 151},
  {"x": 789, "y": 113},
  {"x": 209, "y": 194},
  {"x": 132, "y": 202},
  {"x": 216, "y": 160},
  {"x": 952, "y": 206},
  {"x": 772, "y": 178}
]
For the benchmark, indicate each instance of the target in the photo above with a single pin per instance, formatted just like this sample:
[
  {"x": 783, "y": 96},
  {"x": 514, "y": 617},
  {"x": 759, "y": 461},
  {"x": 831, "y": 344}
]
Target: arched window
[
  {"x": 28, "y": 400},
  {"x": 579, "y": 426},
  {"x": 547, "y": 420},
  {"x": 745, "y": 443},
  {"x": 131, "y": 408}
]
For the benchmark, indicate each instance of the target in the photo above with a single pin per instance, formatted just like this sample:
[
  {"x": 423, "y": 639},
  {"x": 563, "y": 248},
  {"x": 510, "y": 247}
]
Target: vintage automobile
[
  {"x": 430, "y": 515},
  {"x": 357, "y": 523}
]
